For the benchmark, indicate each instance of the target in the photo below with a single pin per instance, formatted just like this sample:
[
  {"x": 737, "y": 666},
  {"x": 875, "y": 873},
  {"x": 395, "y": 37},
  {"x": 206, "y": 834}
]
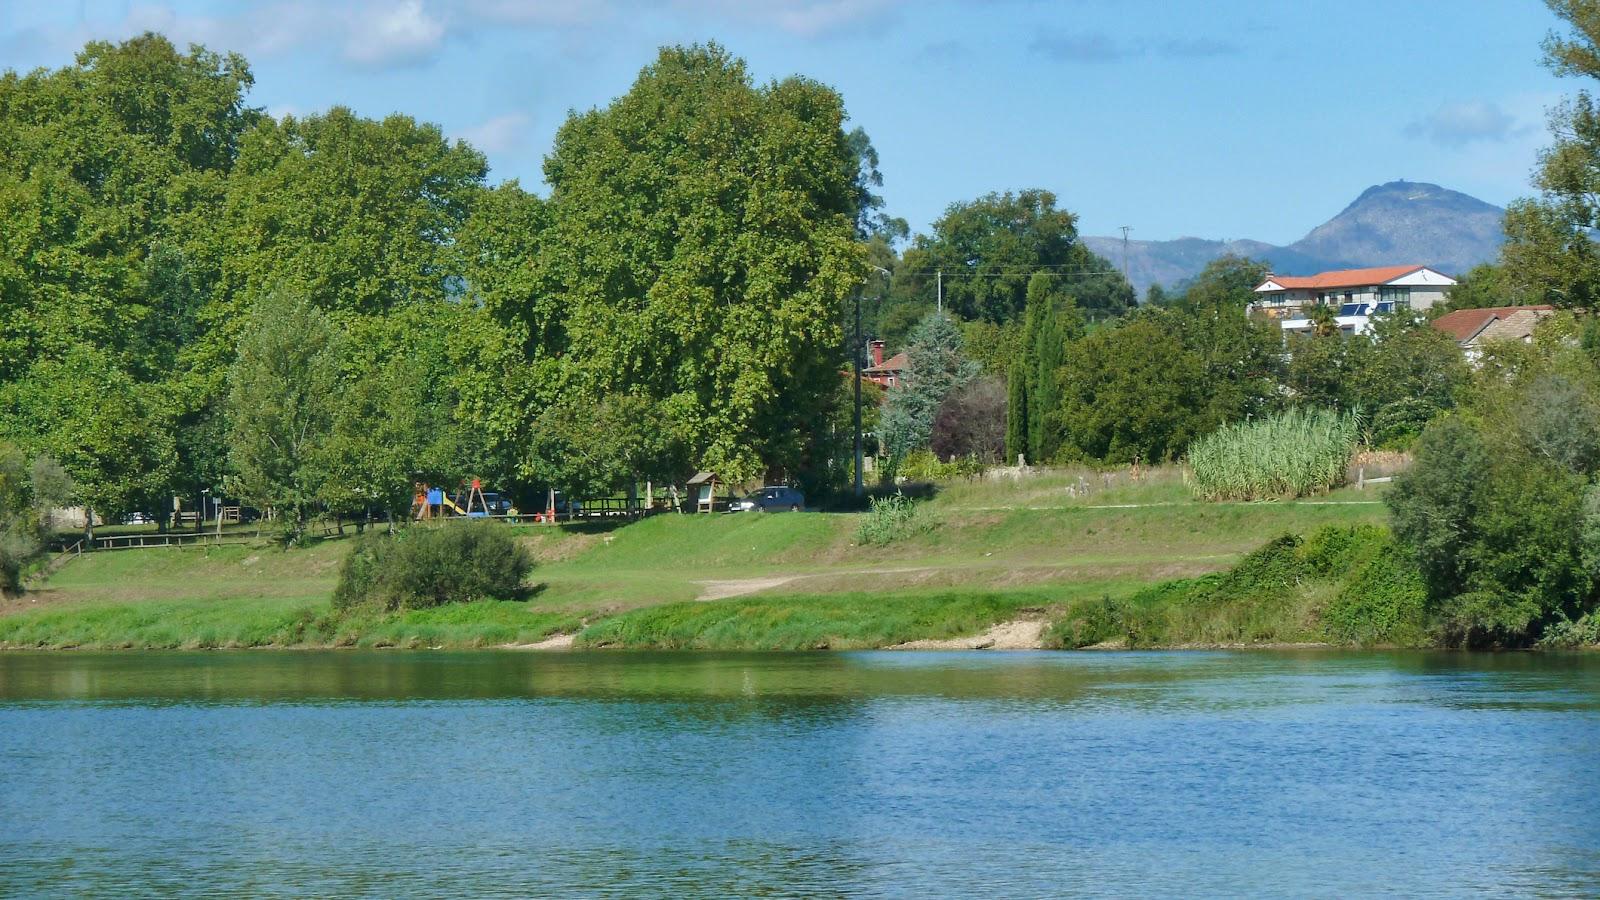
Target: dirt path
[
  {"x": 722, "y": 590},
  {"x": 1021, "y": 634},
  {"x": 738, "y": 587},
  {"x": 553, "y": 642}
]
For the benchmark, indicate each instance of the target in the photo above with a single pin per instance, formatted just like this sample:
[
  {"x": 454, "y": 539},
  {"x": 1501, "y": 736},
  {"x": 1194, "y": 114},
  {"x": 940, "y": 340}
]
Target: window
[{"x": 1398, "y": 296}]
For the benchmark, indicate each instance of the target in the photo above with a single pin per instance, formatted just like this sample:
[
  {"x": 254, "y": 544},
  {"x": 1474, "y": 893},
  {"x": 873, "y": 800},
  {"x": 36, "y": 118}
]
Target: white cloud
[
  {"x": 390, "y": 33},
  {"x": 802, "y": 18},
  {"x": 500, "y": 134},
  {"x": 540, "y": 13},
  {"x": 384, "y": 34},
  {"x": 1088, "y": 47},
  {"x": 1460, "y": 124},
  {"x": 1099, "y": 47}
]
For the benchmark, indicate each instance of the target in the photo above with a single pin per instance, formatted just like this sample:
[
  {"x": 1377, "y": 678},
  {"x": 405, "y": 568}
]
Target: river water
[{"x": 876, "y": 774}]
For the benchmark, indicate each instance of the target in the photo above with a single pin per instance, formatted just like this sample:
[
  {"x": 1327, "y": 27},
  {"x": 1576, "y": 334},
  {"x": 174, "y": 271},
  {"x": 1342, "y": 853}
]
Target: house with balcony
[{"x": 1354, "y": 295}]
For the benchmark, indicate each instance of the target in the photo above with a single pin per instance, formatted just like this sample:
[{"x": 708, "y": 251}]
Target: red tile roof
[
  {"x": 895, "y": 363},
  {"x": 1343, "y": 278},
  {"x": 1464, "y": 323}
]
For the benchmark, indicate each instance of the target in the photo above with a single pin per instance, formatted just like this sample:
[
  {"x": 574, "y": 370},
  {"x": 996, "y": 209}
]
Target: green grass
[
  {"x": 1340, "y": 585},
  {"x": 989, "y": 548},
  {"x": 831, "y": 622}
]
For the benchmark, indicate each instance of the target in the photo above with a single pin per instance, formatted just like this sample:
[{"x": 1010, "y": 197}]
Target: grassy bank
[
  {"x": 1341, "y": 585},
  {"x": 981, "y": 553}
]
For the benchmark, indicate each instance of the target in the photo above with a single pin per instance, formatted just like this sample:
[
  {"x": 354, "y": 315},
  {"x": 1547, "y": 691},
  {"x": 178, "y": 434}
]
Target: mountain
[{"x": 1398, "y": 222}]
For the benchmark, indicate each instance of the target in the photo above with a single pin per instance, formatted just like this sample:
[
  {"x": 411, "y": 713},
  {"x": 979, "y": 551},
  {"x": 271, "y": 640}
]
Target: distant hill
[{"x": 1398, "y": 222}]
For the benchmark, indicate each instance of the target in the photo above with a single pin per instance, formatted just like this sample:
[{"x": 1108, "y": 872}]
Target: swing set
[{"x": 433, "y": 503}]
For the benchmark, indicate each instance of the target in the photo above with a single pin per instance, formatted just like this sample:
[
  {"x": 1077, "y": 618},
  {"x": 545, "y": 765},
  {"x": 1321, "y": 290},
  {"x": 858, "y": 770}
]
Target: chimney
[{"x": 875, "y": 352}]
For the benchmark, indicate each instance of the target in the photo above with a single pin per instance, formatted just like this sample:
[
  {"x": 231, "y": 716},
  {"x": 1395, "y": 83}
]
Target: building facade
[{"x": 1355, "y": 295}]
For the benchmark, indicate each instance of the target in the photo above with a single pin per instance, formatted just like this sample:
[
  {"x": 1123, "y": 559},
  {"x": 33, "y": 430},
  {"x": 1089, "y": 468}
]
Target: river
[{"x": 855, "y": 774}]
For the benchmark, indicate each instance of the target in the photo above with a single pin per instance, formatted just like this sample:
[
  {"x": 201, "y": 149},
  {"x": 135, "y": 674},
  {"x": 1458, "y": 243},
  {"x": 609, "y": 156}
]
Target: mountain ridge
[{"x": 1392, "y": 223}]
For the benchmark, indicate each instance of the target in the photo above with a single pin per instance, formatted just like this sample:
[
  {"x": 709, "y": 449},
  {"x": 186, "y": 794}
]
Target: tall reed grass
[{"x": 1290, "y": 454}]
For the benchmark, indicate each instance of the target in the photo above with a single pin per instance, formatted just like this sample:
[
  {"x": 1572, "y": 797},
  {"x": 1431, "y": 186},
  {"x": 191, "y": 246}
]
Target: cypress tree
[
  {"x": 1048, "y": 356},
  {"x": 1017, "y": 408}
]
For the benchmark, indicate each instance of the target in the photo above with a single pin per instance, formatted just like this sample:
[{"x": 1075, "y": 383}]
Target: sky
[{"x": 1222, "y": 119}]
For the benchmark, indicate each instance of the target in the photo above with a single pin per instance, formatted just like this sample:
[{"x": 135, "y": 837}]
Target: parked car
[
  {"x": 771, "y": 499},
  {"x": 498, "y": 504}
]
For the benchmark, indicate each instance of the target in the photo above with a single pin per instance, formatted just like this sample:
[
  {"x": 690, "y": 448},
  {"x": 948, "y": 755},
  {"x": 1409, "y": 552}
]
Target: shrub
[
  {"x": 889, "y": 519},
  {"x": 1567, "y": 634},
  {"x": 423, "y": 567},
  {"x": 1289, "y": 454},
  {"x": 1274, "y": 593},
  {"x": 1501, "y": 538},
  {"x": 1382, "y": 602},
  {"x": 922, "y": 465},
  {"x": 18, "y": 547}
]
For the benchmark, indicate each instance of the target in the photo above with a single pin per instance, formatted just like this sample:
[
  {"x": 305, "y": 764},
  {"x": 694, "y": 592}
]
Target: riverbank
[{"x": 978, "y": 556}]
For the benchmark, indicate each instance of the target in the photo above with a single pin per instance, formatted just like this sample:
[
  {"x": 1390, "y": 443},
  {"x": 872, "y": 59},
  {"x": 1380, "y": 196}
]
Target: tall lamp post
[{"x": 855, "y": 356}]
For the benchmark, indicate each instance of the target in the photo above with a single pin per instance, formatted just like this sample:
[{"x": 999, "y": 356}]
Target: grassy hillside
[{"x": 981, "y": 552}]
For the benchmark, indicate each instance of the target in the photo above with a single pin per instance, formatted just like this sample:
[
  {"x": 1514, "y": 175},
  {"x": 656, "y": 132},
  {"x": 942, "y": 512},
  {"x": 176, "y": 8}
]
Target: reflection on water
[{"x": 874, "y": 773}]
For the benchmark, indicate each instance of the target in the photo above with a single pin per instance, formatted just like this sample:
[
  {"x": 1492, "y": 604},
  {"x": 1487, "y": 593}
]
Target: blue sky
[{"x": 1213, "y": 119}]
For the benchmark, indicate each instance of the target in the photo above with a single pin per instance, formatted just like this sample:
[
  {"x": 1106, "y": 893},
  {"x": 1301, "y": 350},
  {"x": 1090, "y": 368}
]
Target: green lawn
[{"x": 983, "y": 551}]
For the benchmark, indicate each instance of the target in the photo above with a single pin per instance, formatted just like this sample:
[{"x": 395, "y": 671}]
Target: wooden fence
[{"x": 136, "y": 541}]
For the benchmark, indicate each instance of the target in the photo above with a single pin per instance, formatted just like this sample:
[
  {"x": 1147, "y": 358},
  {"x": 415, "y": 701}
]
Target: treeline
[
  {"x": 1144, "y": 385},
  {"x": 312, "y": 313}
]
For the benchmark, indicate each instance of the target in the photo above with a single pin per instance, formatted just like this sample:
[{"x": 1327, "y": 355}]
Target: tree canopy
[{"x": 706, "y": 247}]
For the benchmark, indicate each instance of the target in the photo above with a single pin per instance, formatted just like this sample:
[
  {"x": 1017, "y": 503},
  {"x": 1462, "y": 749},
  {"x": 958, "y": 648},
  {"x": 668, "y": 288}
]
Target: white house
[{"x": 1356, "y": 294}]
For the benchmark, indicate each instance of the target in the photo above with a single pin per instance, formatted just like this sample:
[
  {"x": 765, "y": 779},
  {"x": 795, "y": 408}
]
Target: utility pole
[
  {"x": 1125, "y": 230},
  {"x": 855, "y": 357},
  {"x": 939, "y": 302}
]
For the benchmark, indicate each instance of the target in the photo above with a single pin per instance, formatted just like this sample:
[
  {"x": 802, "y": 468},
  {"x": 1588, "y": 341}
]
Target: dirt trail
[
  {"x": 738, "y": 587},
  {"x": 722, "y": 590},
  {"x": 1019, "y": 634},
  {"x": 553, "y": 642}
]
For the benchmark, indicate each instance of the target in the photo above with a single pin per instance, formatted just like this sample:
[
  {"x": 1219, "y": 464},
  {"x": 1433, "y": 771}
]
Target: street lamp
[{"x": 855, "y": 356}]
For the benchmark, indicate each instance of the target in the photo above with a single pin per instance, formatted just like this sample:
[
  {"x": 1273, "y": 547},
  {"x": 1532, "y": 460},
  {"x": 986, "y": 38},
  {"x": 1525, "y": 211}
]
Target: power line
[{"x": 1009, "y": 274}]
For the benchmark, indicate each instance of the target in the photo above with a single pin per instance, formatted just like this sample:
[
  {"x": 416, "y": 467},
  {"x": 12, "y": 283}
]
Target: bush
[
  {"x": 889, "y": 519},
  {"x": 1382, "y": 602},
  {"x": 1500, "y": 535},
  {"x": 922, "y": 465},
  {"x": 1569, "y": 635},
  {"x": 423, "y": 567},
  {"x": 18, "y": 547},
  {"x": 1290, "y": 454},
  {"x": 1275, "y": 593}
]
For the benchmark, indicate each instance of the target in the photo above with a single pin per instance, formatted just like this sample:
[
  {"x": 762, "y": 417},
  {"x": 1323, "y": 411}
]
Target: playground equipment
[{"x": 433, "y": 503}]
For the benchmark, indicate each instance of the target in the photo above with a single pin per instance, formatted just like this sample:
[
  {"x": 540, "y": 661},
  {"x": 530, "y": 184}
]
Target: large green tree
[
  {"x": 703, "y": 243},
  {"x": 113, "y": 177},
  {"x": 1134, "y": 391},
  {"x": 283, "y": 396},
  {"x": 360, "y": 214},
  {"x": 1549, "y": 255},
  {"x": 988, "y": 250},
  {"x": 112, "y": 172},
  {"x": 935, "y": 366},
  {"x": 1501, "y": 509}
]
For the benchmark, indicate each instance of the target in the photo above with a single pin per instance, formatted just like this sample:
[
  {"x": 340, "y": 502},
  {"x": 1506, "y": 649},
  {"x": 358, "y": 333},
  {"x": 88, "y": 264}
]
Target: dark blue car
[{"x": 771, "y": 499}]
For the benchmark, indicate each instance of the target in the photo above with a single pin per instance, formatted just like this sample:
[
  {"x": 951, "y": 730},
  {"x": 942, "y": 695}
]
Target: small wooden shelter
[{"x": 703, "y": 488}]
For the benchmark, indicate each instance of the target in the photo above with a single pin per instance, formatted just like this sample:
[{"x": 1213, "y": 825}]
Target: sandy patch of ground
[
  {"x": 1021, "y": 634},
  {"x": 553, "y": 642},
  {"x": 738, "y": 587}
]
